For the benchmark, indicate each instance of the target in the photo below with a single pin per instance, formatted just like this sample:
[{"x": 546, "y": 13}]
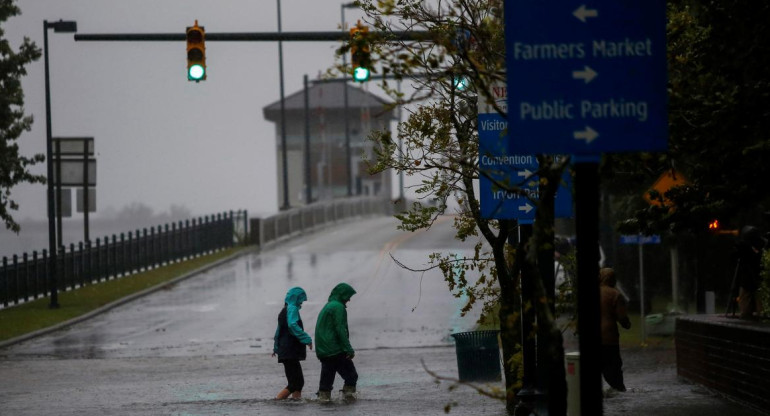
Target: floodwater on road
[
  {"x": 203, "y": 346},
  {"x": 233, "y": 309}
]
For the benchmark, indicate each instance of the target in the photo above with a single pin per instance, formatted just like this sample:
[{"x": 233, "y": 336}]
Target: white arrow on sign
[
  {"x": 587, "y": 74},
  {"x": 582, "y": 13},
  {"x": 588, "y": 134},
  {"x": 526, "y": 173},
  {"x": 526, "y": 207}
]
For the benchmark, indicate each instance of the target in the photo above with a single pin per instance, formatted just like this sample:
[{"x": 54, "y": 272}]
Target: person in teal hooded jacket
[
  {"x": 290, "y": 343},
  {"x": 333, "y": 344}
]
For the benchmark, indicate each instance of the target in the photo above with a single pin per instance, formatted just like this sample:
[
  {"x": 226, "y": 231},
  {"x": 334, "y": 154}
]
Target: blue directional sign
[
  {"x": 501, "y": 170},
  {"x": 586, "y": 77},
  {"x": 639, "y": 239}
]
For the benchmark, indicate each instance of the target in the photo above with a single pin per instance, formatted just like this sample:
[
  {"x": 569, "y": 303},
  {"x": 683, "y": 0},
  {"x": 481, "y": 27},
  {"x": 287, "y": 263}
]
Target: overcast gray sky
[{"x": 160, "y": 139}]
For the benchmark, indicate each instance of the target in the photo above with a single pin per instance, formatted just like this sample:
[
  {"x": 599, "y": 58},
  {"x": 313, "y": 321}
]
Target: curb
[{"x": 127, "y": 299}]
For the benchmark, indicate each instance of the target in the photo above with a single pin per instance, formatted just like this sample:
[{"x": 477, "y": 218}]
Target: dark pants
[
  {"x": 294, "y": 375},
  {"x": 748, "y": 303},
  {"x": 330, "y": 366},
  {"x": 612, "y": 367}
]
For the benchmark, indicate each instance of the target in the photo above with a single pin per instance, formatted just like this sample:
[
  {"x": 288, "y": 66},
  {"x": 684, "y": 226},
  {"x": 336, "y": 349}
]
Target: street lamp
[
  {"x": 284, "y": 160},
  {"x": 64, "y": 27},
  {"x": 348, "y": 156}
]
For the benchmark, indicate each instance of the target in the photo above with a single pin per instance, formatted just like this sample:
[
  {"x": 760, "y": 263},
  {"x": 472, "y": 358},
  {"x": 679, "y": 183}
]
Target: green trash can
[{"x": 478, "y": 355}]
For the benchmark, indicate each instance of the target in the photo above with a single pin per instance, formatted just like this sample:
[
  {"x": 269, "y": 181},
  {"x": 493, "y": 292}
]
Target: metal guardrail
[
  {"x": 297, "y": 221},
  {"x": 25, "y": 278}
]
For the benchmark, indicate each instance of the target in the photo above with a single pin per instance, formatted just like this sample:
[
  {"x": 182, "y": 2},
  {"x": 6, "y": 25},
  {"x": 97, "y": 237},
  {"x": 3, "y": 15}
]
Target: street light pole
[
  {"x": 348, "y": 155},
  {"x": 308, "y": 187},
  {"x": 284, "y": 159},
  {"x": 67, "y": 27}
]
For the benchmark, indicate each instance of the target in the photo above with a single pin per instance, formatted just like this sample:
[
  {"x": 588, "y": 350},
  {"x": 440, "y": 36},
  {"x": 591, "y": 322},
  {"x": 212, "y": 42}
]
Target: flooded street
[
  {"x": 202, "y": 347},
  {"x": 233, "y": 309}
]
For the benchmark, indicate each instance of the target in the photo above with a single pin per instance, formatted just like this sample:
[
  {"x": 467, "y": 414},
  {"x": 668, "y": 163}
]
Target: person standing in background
[
  {"x": 748, "y": 253},
  {"x": 613, "y": 312}
]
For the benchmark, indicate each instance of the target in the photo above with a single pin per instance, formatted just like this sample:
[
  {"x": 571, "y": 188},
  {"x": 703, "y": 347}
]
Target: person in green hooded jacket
[{"x": 333, "y": 344}]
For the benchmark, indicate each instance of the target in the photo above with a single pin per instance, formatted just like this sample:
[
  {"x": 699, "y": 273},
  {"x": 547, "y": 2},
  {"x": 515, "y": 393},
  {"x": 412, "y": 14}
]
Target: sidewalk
[{"x": 655, "y": 390}]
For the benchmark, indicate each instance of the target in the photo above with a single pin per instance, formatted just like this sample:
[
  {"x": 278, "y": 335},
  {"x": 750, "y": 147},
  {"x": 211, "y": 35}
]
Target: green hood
[
  {"x": 342, "y": 293},
  {"x": 295, "y": 296}
]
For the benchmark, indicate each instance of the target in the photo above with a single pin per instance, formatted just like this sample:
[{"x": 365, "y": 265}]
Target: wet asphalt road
[
  {"x": 203, "y": 346},
  {"x": 208, "y": 339},
  {"x": 233, "y": 308}
]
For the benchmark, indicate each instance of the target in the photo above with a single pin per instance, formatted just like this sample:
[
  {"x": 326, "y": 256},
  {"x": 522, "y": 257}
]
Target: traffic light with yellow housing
[
  {"x": 360, "y": 52},
  {"x": 716, "y": 227},
  {"x": 196, "y": 53}
]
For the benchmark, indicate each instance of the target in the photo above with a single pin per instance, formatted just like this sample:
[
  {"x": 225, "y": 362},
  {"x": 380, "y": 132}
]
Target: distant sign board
[
  {"x": 80, "y": 197},
  {"x": 586, "y": 79},
  {"x": 72, "y": 172},
  {"x": 65, "y": 197},
  {"x": 501, "y": 169},
  {"x": 74, "y": 146}
]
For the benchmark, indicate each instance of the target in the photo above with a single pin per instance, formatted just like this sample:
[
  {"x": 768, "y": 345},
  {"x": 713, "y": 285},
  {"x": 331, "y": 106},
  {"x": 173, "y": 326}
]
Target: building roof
[{"x": 329, "y": 96}]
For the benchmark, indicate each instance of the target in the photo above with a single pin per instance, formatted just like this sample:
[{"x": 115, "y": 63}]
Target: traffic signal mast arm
[
  {"x": 414, "y": 35},
  {"x": 196, "y": 36}
]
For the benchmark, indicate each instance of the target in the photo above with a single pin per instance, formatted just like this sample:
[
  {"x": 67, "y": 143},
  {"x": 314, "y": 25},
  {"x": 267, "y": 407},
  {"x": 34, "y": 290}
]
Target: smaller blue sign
[
  {"x": 635, "y": 239},
  {"x": 500, "y": 171}
]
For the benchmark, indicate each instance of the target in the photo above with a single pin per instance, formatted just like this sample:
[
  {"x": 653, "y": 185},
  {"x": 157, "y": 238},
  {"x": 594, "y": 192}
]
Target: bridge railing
[
  {"x": 297, "y": 221},
  {"x": 25, "y": 277}
]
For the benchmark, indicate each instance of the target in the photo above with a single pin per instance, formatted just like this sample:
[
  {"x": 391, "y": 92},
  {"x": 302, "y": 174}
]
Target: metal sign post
[{"x": 641, "y": 240}]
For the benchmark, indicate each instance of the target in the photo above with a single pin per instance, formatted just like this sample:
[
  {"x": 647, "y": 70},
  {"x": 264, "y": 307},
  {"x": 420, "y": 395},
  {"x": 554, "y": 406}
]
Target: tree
[
  {"x": 451, "y": 71},
  {"x": 719, "y": 125},
  {"x": 13, "y": 122}
]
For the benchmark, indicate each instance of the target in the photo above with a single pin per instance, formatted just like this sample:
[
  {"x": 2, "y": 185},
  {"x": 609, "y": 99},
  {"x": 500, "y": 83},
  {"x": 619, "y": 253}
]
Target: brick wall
[{"x": 727, "y": 355}]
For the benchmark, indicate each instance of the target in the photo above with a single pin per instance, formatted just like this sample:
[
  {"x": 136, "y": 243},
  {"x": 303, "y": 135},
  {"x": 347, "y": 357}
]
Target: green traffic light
[
  {"x": 196, "y": 72},
  {"x": 360, "y": 74},
  {"x": 461, "y": 83}
]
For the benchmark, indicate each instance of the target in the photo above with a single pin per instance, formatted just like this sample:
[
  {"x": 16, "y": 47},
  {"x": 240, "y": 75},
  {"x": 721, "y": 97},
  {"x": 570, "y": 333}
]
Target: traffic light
[
  {"x": 716, "y": 227},
  {"x": 196, "y": 53},
  {"x": 460, "y": 82},
  {"x": 360, "y": 52}
]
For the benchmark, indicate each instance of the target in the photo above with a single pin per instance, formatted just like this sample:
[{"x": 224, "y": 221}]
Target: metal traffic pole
[{"x": 66, "y": 27}]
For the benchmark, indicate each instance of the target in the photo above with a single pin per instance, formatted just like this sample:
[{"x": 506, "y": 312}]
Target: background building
[{"x": 328, "y": 165}]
